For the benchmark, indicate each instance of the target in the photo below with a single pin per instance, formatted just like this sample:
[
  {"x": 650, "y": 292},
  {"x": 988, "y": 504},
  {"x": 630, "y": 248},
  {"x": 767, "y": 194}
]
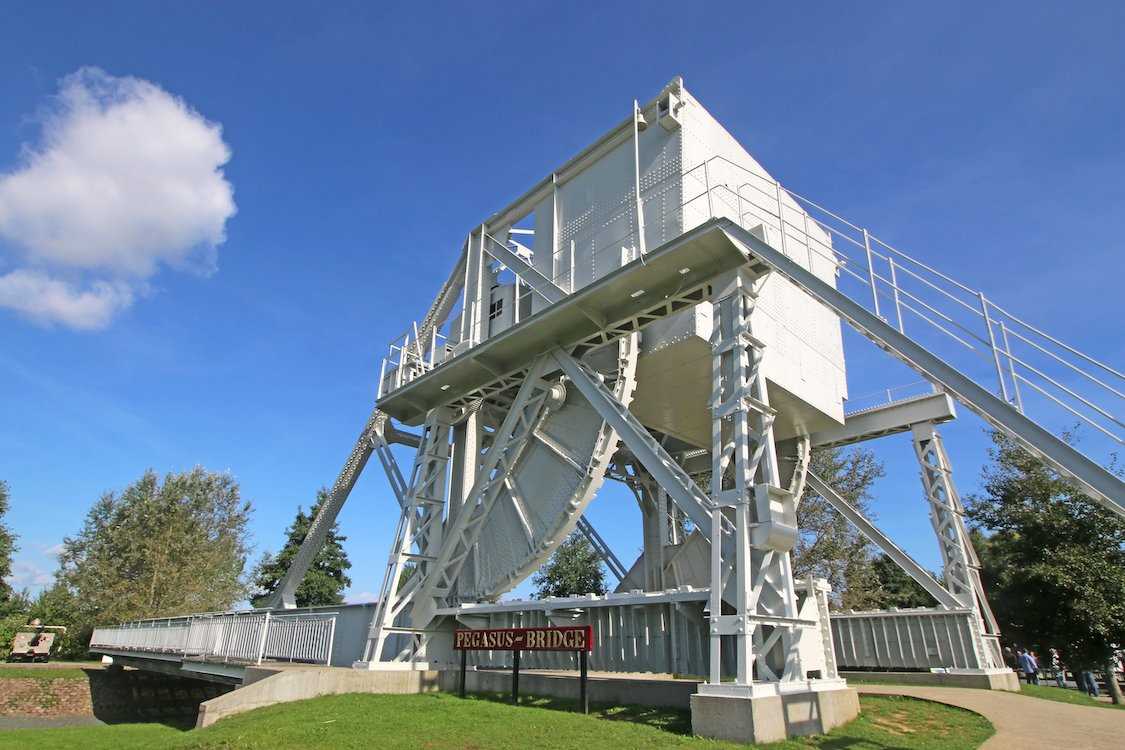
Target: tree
[
  {"x": 326, "y": 580},
  {"x": 159, "y": 548},
  {"x": 897, "y": 588},
  {"x": 1054, "y": 561},
  {"x": 829, "y": 546},
  {"x": 7, "y": 547},
  {"x": 573, "y": 569}
]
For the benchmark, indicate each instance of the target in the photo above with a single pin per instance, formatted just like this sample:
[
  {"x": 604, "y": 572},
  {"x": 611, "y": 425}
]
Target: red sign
[{"x": 569, "y": 638}]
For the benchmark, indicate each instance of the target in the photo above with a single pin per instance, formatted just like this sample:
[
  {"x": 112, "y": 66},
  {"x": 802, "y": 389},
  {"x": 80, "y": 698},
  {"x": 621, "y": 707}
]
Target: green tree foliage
[
  {"x": 829, "y": 546},
  {"x": 159, "y": 548},
  {"x": 13, "y": 615},
  {"x": 573, "y": 569},
  {"x": 1054, "y": 563},
  {"x": 897, "y": 588},
  {"x": 7, "y": 547},
  {"x": 327, "y": 578}
]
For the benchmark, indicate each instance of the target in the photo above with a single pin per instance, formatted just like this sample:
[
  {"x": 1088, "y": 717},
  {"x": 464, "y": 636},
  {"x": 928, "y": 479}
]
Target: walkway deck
[{"x": 1023, "y": 722}]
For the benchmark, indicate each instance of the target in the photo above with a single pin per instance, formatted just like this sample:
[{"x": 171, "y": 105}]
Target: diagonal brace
[
  {"x": 881, "y": 540},
  {"x": 647, "y": 450},
  {"x": 603, "y": 550}
]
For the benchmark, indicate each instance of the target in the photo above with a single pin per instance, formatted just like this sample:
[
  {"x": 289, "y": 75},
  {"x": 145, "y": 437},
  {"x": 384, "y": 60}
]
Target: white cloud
[
  {"x": 363, "y": 597},
  {"x": 49, "y": 300},
  {"x": 26, "y": 575},
  {"x": 126, "y": 178},
  {"x": 54, "y": 550}
]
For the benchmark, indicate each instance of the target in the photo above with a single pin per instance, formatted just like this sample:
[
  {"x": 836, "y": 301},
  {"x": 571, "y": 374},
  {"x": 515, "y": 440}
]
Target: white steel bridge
[{"x": 660, "y": 311}]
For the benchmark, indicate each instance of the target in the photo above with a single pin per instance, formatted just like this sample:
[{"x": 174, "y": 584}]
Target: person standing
[
  {"x": 1029, "y": 667},
  {"x": 1057, "y": 670},
  {"x": 1087, "y": 684}
]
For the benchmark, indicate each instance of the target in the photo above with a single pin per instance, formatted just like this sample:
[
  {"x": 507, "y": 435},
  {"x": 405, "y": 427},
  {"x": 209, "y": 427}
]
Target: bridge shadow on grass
[
  {"x": 129, "y": 696},
  {"x": 674, "y": 720}
]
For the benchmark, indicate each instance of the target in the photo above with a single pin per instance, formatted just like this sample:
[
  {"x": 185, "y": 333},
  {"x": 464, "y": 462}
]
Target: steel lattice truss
[{"x": 526, "y": 375}]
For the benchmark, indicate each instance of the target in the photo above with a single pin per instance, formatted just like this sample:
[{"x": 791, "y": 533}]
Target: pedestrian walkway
[{"x": 1023, "y": 722}]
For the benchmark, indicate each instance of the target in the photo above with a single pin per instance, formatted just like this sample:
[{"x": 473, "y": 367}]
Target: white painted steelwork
[
  {"x": 659, "y": 632},
  {"x": 244, "y": 637},
  {"x": 586, "y": 225},
  {"x": 660, "y": 309},
  {"x": 911, "y": 639}
]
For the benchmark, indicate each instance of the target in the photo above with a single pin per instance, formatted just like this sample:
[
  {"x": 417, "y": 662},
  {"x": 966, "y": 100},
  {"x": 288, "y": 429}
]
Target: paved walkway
[{"x": 1024, "y": 722}]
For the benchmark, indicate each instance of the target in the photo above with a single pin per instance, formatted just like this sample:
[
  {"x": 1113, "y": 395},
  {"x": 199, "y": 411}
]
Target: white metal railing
[
  {"x": 912, "y": 639},
  {"x": 300, "y": 638},
  {"x": 248, "y": 637},
  {"x": 162, "y": 636},
  {"x": 928, "y": 304},
  {"x": 886, "y": 396},
  {"x": 1051, "y": 381}
]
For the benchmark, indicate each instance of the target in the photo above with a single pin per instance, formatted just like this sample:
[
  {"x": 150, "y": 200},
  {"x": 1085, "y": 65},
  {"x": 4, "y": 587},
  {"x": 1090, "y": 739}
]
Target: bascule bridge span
[{"x": 660, "y": 311}]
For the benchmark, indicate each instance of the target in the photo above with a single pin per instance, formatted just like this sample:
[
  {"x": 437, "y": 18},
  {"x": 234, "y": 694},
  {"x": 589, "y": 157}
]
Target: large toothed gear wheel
[{"x": 559, "y": 472}]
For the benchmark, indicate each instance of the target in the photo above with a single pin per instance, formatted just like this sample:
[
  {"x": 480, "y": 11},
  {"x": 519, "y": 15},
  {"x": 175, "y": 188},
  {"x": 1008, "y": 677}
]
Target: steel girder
[
  {"x": 526, "y": 412},
  {"x": 944, "y": 597},
  {"x": 616, "y": 569},
  {"x": 373, "y": 438},
  {"x": 418, "y": 537},
  {"x": 961, "y": 567},
  {"x": 644, "y": 447},
  {"x": 745, "y": 489},
  {"x": 1094, "y": 480}
]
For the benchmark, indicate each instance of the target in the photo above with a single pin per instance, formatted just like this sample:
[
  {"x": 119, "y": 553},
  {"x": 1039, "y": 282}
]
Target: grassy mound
[{"x": 437, "y": 721}]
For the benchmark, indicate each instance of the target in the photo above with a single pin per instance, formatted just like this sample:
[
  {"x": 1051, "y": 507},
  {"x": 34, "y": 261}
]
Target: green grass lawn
[
  {"x": 437, "y": 721},
  {"x": 1063, "y": 695},
  {"x": 40, "y": 673}
]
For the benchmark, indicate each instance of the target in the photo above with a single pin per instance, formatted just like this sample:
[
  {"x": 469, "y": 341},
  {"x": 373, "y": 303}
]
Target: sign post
[
  {"x": 577, "y": 638},
  {"x": 461, "y": 680},
  {"x": 583, "y": 694}
]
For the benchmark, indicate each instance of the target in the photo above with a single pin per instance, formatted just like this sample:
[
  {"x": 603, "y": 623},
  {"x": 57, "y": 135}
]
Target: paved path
[{"x": 1024, "y": 722}]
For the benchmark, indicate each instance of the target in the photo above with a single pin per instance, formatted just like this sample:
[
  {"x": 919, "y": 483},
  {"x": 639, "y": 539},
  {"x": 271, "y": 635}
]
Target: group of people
[{"x": 1025, "y": 661}]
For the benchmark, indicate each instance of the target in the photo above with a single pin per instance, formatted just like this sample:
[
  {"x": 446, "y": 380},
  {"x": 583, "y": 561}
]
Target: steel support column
[
  {"x": 960, "y": 565},
  {"x": 418, "y": 537},
  {"x": 745, "y": 490}
]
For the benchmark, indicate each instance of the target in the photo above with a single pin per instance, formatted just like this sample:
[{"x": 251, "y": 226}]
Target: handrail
[
  {"x": 893, "y": 283},
  {"x": 1011, "y": 369},
  {"x": 247, "y": 636}
]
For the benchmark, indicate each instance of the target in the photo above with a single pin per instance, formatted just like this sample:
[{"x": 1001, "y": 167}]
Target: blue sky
[{"x": 364, "y": 142}]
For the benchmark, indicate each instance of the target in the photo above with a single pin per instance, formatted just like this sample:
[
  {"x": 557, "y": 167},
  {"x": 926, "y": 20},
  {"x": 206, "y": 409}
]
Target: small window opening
[{"x": 496, "y": 309}]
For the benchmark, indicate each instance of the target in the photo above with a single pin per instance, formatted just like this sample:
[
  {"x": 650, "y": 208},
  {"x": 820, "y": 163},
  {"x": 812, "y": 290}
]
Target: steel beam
[
  {"x": 644, "y": 447},
  {"x": 418, "y": 536},
  {"x": 286, "y": 594},
  {"x": 1091, "y": 478},
  {"x": 524, "y": 415},
  {"x": 883, "y": 542},
  {"x": 604, "y": 552},
  {"x": 539, "y": 283},
  {"x": 672, "y": 278},
  {"x": 887, "y": 419}
]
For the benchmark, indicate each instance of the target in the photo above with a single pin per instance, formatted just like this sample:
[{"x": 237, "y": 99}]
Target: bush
[{"x": 9, "y": 624}]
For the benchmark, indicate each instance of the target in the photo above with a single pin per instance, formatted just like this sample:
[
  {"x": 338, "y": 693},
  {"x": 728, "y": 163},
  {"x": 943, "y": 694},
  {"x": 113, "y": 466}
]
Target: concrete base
[
  {"x": 619, "y": 691},
  {"x": 983, "y": 679},
  {"x": 265, "y": 686},
  {"x": 772, "y": 718}
]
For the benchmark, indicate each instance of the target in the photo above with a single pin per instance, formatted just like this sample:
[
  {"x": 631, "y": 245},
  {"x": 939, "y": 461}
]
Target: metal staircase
[
  {"x": 1023, "y": 381},
  {"x": 1095, "y": 480}
]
